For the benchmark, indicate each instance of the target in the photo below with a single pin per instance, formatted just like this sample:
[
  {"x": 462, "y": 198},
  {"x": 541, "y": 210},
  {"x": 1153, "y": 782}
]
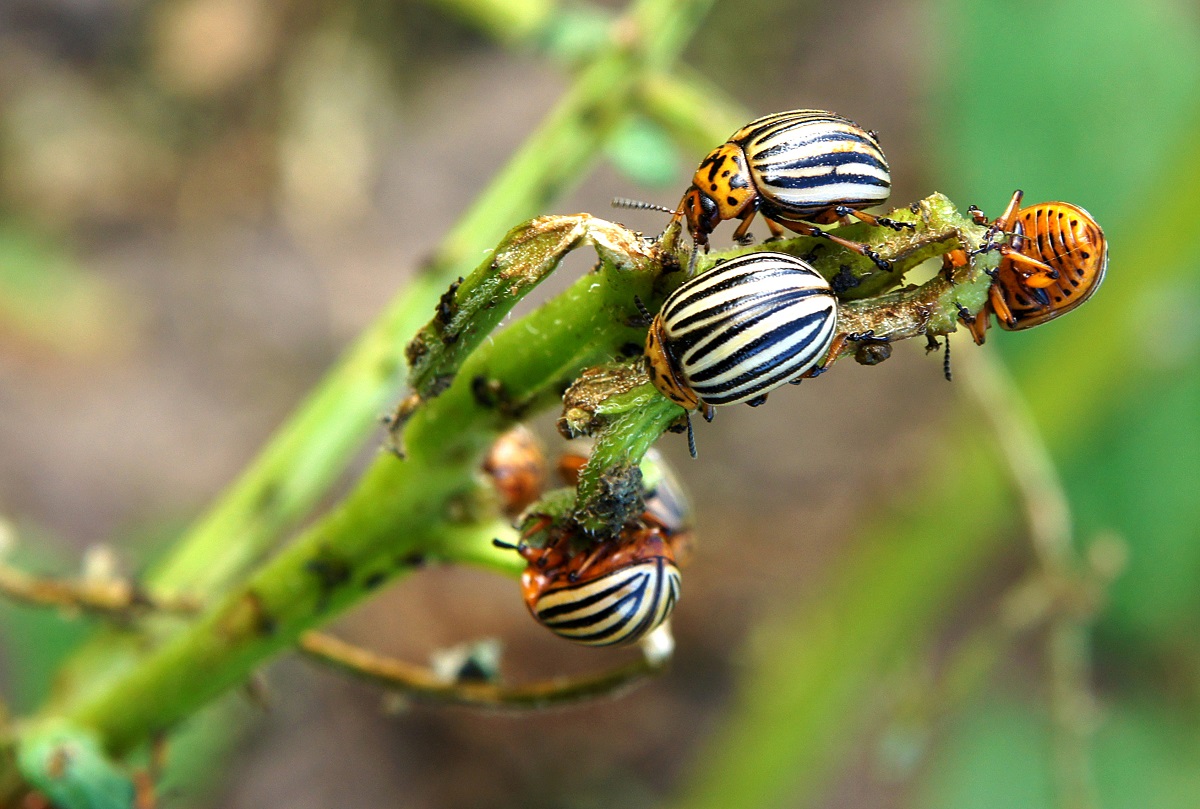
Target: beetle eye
[{"x": 711, "y": 214}]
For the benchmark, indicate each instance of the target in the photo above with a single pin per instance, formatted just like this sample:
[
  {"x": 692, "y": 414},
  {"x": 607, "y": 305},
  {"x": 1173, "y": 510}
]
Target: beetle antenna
[
  {"x": 508, "y": 546},
  {"x": 638, "y": 205},
  {"x": 946, "y": 361},
  {"x": 691, "y": 435},
  {"x": 641, "y": 307}
]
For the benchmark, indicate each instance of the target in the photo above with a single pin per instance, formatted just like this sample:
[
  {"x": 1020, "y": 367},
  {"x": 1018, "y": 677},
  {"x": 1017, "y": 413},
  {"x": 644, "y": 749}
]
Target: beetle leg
[
  {"x": 805, "y": 229},
  {"x": 978, "y": 216},
  {"x": 742, "y": 235},
  {"x": 1006, "y": 220},
  {"x": 1000, "y": 307},
  {"x": 835, "y": 348},
  {"x": 1040, "y": 276},
  {"x": 777, "y": 231},
  {"x": 875, "y": 221},
  {"x": 952, "y": 261},
  {"x": 757, "y": 400}
]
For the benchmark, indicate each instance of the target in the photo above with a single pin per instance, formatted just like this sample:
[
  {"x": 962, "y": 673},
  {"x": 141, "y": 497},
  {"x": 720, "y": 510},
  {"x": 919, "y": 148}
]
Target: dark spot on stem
[
  {"x": 447, "y": 305},
  {"x": 414, "y": 560},
  {"x": 844, "y": 280},
  {"x": 415, "y": 351},
  {"x": 331, "y": 572}
]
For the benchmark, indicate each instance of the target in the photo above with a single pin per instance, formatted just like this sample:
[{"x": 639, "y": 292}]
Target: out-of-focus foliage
[
  {"x": 209, "y": 116},
  {"x": 1098, "y": 104}
]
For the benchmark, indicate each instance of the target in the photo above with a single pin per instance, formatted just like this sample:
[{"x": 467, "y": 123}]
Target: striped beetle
[
  {"x": 795, "y": 168},
  {"x": 615, "y": 593},
  {"x": 740, "y": 330},
  {"x": 1056, "y": 260}
]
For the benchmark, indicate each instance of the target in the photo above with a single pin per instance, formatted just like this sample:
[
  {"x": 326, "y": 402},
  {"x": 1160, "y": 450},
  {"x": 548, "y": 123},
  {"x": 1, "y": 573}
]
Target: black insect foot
[
  {"x": 644, "y": 318},
  {"x": 880, "y": 262},
  {"x": 757, "y": 401},
  {"x": 964, "y": 314},
  {"x": 745, "y": 241},
  {"x": 895, "y": 225}
]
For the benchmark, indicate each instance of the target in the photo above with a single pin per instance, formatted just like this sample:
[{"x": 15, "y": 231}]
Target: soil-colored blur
[{"x": 202, "y": 202}]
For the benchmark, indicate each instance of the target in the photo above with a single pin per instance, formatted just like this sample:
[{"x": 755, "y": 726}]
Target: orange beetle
[
  {"x": 616, "y": 592},
  {"x": 517, "y": 467},
  {"x": 1056, "y": 260}
]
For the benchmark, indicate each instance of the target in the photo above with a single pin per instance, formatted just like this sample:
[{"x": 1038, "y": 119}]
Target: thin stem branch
[
  {"x": 115, "y": 598},
  {"x": 420, "y": 684},
  {"x": 313, "y": 448},
  {"x": 1048, "y": 514}
]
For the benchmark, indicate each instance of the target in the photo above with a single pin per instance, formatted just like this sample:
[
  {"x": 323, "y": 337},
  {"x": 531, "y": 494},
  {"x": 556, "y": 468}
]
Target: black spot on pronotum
[{"x": 730, "y": 200}]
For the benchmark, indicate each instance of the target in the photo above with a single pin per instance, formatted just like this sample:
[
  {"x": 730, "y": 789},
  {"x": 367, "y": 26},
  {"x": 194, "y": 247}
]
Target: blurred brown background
[{"x": 223, "y": 193}]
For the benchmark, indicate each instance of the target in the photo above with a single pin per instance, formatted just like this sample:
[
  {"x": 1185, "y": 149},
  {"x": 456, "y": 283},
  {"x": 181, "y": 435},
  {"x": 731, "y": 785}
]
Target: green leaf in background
[
  {"x": 46, "y": 298},
  {"x": 1105, "y": 100},
  {"x": 644, "y": 153},
  {"x": 67, "y": 765},
  {"x": 1139, "y": 477},
  {"x": 1070, "y": 100},
  {"x": 573, "y": 33},
  {"x": 35, "y": 640},
  {"x": 999, "y": 755}
]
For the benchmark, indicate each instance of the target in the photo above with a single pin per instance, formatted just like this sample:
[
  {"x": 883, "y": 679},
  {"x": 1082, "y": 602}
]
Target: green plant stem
[
  {"x": 422, "y": 685},
  {"x": 385, "y": 524},
  {"x": 312, "y": 449},
  {"x": 695, "y": 112}
]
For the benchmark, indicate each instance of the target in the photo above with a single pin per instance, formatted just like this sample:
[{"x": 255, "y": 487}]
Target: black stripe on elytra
[
  {"x": 766, "y": 168},
  {"x": 760, "y": 345},
  {"x": 760, "y": 270},
  {"x": 748, "y": 385},
  {"x": 571, "y": 606},
  {"x": 833, "y": 178},
  {"x": 762, "y": 303}
]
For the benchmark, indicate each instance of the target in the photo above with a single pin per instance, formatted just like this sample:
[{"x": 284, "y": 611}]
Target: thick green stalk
[
  {"x": 311, "y": 450},
  {"x": 389, "y": 521}
]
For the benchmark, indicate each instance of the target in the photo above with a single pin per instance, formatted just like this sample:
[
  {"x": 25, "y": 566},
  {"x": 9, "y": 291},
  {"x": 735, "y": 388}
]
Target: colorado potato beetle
[
  {"x": 517, "y": 468},
  {"x": 795, "y": 168},
  {"x": 740, "y": 330},
  {"x": 1056, "y": 260},
  {"x": 615, "y": 593}
]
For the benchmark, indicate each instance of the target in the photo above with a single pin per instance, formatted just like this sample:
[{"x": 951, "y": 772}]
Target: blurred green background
[{"x": 203, "y": 201}]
